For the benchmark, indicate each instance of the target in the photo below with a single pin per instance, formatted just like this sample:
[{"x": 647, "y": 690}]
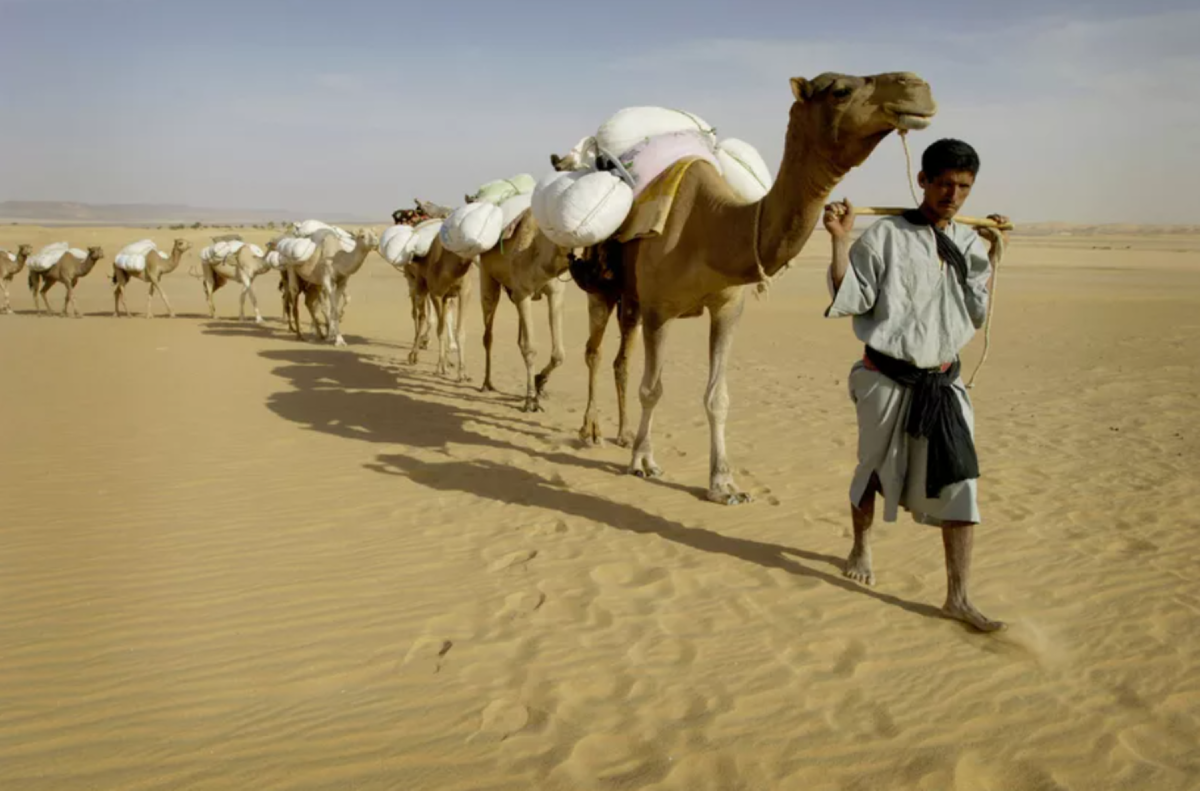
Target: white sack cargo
[
  {"x": 401, "y": 243},
  {"x": 394, "y": 243},
  {"x": 274, "y": 260},
  {"x": 744, "y": 169},
  {"x": 632, "y": 125},
  {"x": 132, "y": 257},
  {"x": 216, "y": 253},
  {"x": 581, "y": 208},
  {"x": 311, "y": 228},
  {"x": 514, "y": 207},
  {"x": 472, "y": 229},
  {"x": 294, "y": 249},
  {"x": 47, "y": 257},
  {"x": 581, "y": 157},
  {"x": 500, "y": 190}
]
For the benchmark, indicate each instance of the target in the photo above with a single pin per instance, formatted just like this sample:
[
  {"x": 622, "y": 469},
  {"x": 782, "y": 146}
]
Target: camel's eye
[{"x": 842, "y": 92}]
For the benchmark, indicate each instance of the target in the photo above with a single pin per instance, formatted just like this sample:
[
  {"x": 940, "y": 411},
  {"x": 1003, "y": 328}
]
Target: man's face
[{"x": 946, "y": 193}]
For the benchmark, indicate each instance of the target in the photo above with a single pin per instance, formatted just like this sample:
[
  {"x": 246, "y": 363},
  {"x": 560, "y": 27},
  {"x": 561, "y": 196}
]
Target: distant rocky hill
[{"x": 69, "y": 213}]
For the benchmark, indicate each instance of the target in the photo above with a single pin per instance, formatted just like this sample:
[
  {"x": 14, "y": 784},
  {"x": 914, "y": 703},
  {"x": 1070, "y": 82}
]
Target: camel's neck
[
  {"x": 87, "y": 264},
  {"x": 792, "y": 208},
  {"x": 173, "y": 261}
]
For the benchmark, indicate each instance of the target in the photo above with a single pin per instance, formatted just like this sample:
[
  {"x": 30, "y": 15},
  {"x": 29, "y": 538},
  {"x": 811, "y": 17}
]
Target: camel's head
[
  {"x": 95, "y": 252},
  {"x": 25, "y": 250},
  {"x": 848, "y": 116},
  {"x": 366, "y": 237},
  {"x": 181, "y": 246},
  {"x": 581, "y": 157}
]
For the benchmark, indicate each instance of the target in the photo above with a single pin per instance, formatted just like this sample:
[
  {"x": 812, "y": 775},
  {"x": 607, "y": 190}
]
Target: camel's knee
[{"x": 716, "y": 402}]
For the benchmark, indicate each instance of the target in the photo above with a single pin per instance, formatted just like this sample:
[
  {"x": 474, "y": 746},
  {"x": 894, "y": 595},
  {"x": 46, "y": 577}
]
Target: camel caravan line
[{"x": 655, "y": 217}]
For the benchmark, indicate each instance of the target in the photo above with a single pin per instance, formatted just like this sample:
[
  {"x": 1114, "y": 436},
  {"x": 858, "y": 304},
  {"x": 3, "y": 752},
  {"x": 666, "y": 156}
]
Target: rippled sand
[{"x": 230, "y": 560}]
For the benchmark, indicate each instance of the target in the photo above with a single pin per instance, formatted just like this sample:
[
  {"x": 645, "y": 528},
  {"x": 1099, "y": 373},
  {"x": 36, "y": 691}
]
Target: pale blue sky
[{"x": 357, "y": 106}]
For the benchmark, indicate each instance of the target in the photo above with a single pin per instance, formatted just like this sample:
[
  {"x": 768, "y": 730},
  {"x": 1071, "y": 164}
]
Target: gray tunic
[{"x": 909, "y": 305}]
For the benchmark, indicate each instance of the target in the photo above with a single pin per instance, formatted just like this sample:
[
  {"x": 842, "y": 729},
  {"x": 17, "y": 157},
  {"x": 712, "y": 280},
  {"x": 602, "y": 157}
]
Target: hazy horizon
[{"x": 1079, "y": 116}]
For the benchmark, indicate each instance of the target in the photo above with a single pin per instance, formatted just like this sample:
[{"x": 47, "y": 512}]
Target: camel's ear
[{"x": 801, "y": 89}]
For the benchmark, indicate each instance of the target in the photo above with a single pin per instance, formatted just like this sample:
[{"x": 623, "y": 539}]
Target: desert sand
[{"x": 231, "y": 560}]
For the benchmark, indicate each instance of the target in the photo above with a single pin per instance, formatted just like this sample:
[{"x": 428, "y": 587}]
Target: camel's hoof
[
  {"x": 486, "y": 387},
  {"x": 412, "y": 358},
  {"x": 625, "y": 440},
  {"x": 590, "y": 434},
  {"x": 729, "y": 498},
  {"x": 532, "y": 406},
  {"x": 647, "y": 470}
]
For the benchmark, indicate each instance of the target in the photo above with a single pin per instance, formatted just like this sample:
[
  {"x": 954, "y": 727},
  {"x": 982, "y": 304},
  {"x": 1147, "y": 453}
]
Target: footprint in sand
[
  {"x": 850, "y": 658},
  {"x": 522, "y": 605},
  {"x": 426, "y": 655},
  {"x": 518, "y": 558},
  {"x": 499, "y": 720}
]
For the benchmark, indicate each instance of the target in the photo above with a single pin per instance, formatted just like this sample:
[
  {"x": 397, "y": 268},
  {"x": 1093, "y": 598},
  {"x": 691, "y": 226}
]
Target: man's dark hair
[{"x": 949, "y": 154}]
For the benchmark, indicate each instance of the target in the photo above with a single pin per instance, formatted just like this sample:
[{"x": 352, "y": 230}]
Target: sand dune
[{"x": 229, "y": 559}]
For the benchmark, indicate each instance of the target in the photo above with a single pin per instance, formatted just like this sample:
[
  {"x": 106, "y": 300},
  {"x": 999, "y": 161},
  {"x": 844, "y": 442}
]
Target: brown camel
[
  {"x": 714, "y": 245},
  {"x": 527, "y": 266},
  {"x": 157, "y": 265},
  {"x": 67, "y": 271},
  {"x": 329, "y": 268},
  {"x": 242, "y": 267},
  {"x": 443, "y": 278},
  {"x": 11, "y": 265}
]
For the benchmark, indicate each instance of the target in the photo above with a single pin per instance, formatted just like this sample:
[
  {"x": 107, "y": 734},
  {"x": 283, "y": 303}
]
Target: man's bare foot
[
  {"x": 966, "y": 612},
  {"x": 858, "y": 567}
]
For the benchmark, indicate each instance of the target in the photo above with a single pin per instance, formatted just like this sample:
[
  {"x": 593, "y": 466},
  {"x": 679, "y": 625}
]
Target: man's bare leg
[
  {"x": 858, "y": 564},
  {"x": 958, "y": 539}
]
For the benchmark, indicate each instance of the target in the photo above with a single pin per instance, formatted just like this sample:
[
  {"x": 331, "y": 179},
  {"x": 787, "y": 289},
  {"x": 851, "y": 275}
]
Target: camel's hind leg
[
  {"x": 489, "y": 295},
  {"x": 599, "y": 311},
  {"x": 721, "y": 487},
  {"x": 4, "y": 287},
  {"x": 439, "y": 308},
  {"x": 47, "y": 284},
  {"x": 208, "y": 292},
  {"x": 650, "y": 393}
]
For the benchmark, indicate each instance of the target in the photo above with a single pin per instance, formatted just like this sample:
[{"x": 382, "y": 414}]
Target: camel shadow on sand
[{"x": 349, "y": 395}]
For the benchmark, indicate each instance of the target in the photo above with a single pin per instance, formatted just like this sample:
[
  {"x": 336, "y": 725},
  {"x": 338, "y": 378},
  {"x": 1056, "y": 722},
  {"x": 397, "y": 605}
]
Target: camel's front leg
[
  {"x": 70, "y": 302},
  {"x": 163, "y": 294},
  {"x": 7, "y": 304},
  {"x": 333, "y": 294},
  {"x": 721, "y": 488},
  {"x": 528, "y": 352},
  {"x": 457, "y": 324},
  {"x": 248, "y": 291},
  {"x": 554, "y": 292},
  {"x": 489, "y": 295},
  {"x": 439, "y": 309},
  {"x": 650, "y": 393},
  {"x": 629, "y": 319},
  {"x": 150, "y": 300},
  {"x": 599, "y": 311}
]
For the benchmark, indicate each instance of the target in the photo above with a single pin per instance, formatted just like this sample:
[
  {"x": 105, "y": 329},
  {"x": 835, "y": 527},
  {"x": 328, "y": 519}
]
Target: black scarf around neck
[{"x": 947, "y": 250}]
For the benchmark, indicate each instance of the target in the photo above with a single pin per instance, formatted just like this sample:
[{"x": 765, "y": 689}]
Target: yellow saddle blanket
[{"x": 648, "y": 217}]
